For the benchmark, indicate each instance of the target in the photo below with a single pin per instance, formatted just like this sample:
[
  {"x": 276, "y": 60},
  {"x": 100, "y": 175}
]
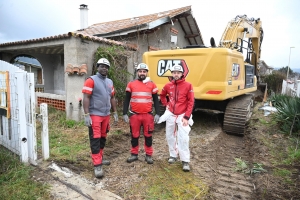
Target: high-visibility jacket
[
  {"x": 181, "y": 97},
  {"x": 141, "y": 95}
]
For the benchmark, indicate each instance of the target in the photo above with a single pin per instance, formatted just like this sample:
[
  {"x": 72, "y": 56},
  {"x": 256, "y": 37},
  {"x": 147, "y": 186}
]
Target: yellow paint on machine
[{"x": 215, "y": 73}]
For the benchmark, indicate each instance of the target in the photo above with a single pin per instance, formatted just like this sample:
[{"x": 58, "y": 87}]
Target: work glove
[
  {"x": 156, "y": 118},
  {"x": 87, "y": 120},
  {"x": 126, "y": 119},
  {"x": 116, "y": 118}
]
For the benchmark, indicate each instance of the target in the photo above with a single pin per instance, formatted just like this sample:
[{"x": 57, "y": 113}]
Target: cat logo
[{"x": 164, "y": 67}]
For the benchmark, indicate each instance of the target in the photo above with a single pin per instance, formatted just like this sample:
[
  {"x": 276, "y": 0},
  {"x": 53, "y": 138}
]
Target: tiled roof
[
  {"x": 67, "y": 35},
  {"x": 125, "y": 24}
]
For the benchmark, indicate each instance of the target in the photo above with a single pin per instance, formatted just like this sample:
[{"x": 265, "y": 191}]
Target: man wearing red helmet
[
  {"x": 140, "y": 93},
  {"x": 178, "y": 112}
]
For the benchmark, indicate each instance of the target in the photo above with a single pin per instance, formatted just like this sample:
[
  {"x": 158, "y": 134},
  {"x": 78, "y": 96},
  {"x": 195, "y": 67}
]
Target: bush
[
  {"x": 274, "y": 81},
  {"x": 288, "y": 115},
  {"x": 118, "y": 73}
]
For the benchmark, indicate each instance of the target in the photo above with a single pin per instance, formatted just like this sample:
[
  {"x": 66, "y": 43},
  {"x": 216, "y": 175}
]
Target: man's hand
[
  {"x": 87, "y": 120},
  {"x": 116, "y": 117},
  {"x": 156, "y": 118},
  {"x": 185, "y": 122},
  {"x": 126, "y": 119}
]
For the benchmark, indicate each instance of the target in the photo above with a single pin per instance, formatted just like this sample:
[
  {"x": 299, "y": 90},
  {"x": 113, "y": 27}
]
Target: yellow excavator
[{"x": 222, "y": 76}]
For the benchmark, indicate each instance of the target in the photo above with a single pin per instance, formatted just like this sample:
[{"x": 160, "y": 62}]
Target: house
[
  {"x": 55, "y": 56},
  {"x": 264, "y": 69},
  {"x": 158, "y": 31}
]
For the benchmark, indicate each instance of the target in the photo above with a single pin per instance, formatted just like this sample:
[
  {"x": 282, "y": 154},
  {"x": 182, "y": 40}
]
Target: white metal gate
[{"x": 17, "y": 112}]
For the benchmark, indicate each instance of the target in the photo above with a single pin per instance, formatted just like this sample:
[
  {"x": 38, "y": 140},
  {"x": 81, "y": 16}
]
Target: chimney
[{"x": 83, "y": 16}]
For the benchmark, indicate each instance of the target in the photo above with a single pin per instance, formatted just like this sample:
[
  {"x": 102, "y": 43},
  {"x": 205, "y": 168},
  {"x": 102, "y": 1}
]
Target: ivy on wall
[{"x": 117, "y": 56}]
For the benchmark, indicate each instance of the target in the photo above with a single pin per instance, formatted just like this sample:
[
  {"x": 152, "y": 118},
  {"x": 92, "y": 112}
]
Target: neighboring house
[
  {"x": 55, "y": 87},
  {"x": 58, "y": 54},
  {"x": 264, "y": 68},
  {"x": 163, "y": 30}
]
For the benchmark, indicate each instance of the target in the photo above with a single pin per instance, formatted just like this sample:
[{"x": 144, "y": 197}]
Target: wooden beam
[
  {"x": 184, "y": 30},
  {"x": 191, "y": 35},
  {"x": 187, "y": 21}
]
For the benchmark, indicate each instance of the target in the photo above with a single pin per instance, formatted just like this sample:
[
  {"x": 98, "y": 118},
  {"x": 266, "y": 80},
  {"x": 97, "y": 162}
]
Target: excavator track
[{"x": 237, "y": 113}]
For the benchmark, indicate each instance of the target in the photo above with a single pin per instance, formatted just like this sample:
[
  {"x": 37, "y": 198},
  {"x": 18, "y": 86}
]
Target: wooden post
[
  {"x": 45, "y": 134},
  {"x": 21, "y": 116}
]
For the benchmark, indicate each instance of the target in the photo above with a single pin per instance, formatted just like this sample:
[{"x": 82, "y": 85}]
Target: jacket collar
[
  {"x": 100, "y": 76},
  {"x": 178, "y": 81}
]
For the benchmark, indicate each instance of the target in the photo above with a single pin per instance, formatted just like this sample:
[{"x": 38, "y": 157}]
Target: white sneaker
[
  {"x": 172, "y": 160},
  {"x": 185, "y": 166}
]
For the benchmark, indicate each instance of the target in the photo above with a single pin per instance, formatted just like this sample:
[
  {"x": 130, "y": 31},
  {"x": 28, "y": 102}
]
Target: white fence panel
[
  {"x": 291, "y": 89},
  {"x": 18, "y": 131}
]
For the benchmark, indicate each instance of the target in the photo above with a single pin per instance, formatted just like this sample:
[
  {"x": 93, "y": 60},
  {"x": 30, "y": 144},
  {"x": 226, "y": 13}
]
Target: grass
[
  {"x": 284, "y": 155},
  {"x": 285, "y": 174},
  {"x": 64, "y": 143},
  {"x": 166, "y": 181},
  {"x": 15, "y": 182}
]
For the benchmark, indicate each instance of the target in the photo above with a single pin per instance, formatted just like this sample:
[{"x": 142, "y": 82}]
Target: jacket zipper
[{"x": 175, "y": 97}]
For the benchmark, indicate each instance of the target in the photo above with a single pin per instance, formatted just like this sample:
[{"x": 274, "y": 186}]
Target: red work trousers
[
  {"x": 97, "y": 133},
  {"x": 136, "y": 121}
]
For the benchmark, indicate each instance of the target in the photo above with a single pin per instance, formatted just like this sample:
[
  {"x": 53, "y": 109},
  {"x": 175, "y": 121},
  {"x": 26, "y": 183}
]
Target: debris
[{"x": 268, "y": 109}]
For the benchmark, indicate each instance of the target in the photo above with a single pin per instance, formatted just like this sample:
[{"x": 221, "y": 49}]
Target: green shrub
[
  {"x": 118, "y": 73},
  {"x": 288, "y": 115},
  {"x": 274, "y": 81}
]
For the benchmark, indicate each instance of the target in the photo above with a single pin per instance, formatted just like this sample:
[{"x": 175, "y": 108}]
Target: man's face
[
  {"x": 103, "y": 69},
  {"x": 177, "y": 75},
  {"x": 142, "y": 74}
]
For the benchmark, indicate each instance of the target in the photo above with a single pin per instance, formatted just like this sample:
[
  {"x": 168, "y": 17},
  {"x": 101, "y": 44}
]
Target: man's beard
[
  {"x": 177, "y": 78},
  {"x": 142, "y": 77}
]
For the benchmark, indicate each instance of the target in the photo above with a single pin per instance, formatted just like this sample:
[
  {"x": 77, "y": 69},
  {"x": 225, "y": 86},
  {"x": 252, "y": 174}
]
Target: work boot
[
  {"x": 105, "y": 162},
  {"x": 172, "y": 160},
  {"x": 99, "y": 173},
  {"x": 149, "y": 159},
  {"x": 185, "y": 166},
  {"x": 132, "y": 158}
]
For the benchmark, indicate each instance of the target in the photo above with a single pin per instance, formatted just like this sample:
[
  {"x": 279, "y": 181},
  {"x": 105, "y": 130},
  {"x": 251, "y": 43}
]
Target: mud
[{"x": 213, "y": 154}]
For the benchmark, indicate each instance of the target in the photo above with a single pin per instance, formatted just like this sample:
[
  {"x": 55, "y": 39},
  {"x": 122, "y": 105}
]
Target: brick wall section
[{"x": 57, "y": 104}]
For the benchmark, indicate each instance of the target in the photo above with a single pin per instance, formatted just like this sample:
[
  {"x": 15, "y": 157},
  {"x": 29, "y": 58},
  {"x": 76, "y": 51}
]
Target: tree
[{"x": 284, "y": 70}]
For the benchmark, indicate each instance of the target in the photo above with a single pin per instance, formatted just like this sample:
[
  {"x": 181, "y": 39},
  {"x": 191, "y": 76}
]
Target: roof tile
[{"x": 123, "y": 24}]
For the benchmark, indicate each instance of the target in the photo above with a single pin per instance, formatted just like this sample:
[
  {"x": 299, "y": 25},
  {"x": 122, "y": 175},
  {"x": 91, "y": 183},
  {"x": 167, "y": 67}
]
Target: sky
[{"x": 31, "y": 19}]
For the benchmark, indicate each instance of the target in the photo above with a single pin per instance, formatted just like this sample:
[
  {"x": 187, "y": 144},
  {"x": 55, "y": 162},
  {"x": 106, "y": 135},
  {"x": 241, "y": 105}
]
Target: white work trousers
[{"x": 178, "y": 138}]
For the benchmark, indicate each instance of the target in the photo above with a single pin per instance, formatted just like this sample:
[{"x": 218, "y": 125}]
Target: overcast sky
[{"x": 30, "y": 19}]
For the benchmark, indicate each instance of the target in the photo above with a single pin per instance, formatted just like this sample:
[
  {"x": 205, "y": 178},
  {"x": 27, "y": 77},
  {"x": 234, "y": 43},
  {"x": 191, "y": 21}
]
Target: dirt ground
[{"x": 213, "y": 154}]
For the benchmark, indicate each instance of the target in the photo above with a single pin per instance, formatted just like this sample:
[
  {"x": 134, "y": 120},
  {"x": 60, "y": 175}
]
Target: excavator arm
[{"x": 244, "y": 35}]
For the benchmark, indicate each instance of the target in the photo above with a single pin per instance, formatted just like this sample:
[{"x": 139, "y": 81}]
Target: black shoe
[
  {"x": 99, "y": 173},
  {"x": 105, "y": 162},
  {"x": 149, "y": 159},
  {"x": 132, "y": 158}
]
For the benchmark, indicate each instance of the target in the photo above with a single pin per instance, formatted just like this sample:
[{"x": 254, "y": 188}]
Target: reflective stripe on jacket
[{"x": 141, "y": 95}]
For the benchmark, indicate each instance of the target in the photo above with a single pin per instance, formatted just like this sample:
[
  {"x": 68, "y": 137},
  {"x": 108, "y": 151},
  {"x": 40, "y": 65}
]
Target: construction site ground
[{"x": 213, "y": 155}]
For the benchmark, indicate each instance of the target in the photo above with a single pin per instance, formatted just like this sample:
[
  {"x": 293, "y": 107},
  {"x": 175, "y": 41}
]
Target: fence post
[
  {"x": 45, "y": 134},
  {"x": 31, "y": 126},
  {"x": 19, "y": 75},
  {"x": 298, "y": 88}
]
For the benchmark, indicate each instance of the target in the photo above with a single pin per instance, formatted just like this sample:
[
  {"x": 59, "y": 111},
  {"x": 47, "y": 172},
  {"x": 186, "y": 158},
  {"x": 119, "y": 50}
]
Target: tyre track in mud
[{"x": 214, "y": 162}]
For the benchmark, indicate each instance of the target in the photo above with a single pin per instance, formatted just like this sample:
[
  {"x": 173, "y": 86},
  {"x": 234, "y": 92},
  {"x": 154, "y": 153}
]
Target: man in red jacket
[{"x": 178, "y": 112}]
